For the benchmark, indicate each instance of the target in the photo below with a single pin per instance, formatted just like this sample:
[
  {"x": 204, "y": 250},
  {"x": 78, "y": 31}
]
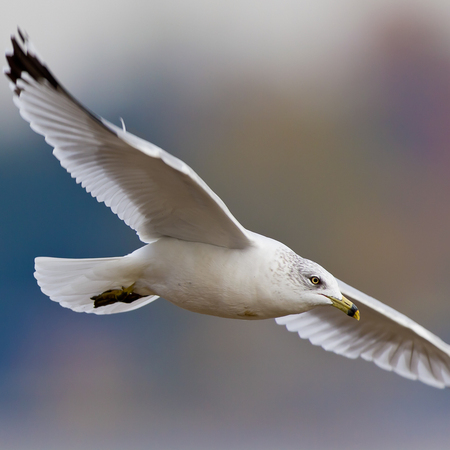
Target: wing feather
[
  {"x": 383, "y": 335},
  {"x": 155, "y": 193}
]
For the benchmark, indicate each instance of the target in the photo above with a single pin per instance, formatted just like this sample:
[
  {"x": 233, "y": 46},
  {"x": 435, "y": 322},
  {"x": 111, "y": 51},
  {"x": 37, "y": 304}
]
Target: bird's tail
[{"x": 99, "y": 286}]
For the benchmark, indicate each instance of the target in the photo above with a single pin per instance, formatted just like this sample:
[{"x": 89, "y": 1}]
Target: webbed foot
[{"x": 111, "y": 296}]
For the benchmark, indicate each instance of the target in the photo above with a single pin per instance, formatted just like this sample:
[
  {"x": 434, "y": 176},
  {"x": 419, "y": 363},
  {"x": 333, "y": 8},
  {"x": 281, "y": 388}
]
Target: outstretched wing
[
  {"x": 383, "y": 335},
  {"x": 155, "y": 193}
]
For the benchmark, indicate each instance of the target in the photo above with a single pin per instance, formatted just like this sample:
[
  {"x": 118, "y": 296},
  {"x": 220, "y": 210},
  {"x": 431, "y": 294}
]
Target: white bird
[{"x": 197, "y": 255}]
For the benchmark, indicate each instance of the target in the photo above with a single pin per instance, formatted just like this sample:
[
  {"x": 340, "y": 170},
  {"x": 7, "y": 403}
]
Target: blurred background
[{"x": 325, "y": 125}]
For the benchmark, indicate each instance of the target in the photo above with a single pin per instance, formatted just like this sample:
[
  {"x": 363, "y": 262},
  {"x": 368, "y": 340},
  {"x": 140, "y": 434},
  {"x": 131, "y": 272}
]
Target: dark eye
[{"x": 314, "y": 280}]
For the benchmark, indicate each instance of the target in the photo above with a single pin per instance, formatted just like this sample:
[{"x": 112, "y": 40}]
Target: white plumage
[
  {"x": 71, "y": 282},
  {"x": 197, "y": 255},
  {"x": 387, "y": 337}
]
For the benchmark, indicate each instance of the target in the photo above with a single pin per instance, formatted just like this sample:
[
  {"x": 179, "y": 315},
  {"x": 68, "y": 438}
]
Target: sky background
[{"x": 325, "y": 125}]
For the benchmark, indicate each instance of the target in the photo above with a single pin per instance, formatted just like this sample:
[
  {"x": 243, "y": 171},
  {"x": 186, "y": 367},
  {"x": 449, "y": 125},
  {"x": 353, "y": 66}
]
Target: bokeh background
[{"x": 323, "y": 124}]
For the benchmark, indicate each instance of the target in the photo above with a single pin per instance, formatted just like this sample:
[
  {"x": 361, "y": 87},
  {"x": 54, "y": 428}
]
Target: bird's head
[{"x": 319, "y": 287}]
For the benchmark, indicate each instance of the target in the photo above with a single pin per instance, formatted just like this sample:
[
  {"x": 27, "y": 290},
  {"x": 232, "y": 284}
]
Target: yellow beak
[{"x": 345, "y": 305}]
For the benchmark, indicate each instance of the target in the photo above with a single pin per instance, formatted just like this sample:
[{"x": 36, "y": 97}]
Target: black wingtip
[
  {"x": 23, "y": 35},
  {"x": 22, "y": 60}
]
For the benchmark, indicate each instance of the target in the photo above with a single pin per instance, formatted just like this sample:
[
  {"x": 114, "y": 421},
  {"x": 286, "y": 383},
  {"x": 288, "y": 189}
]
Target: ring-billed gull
[{"x": 197, "y": 255}]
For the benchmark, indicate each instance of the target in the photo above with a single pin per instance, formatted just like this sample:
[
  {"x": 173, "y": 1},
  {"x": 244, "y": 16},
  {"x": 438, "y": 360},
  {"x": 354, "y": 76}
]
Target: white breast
[{"x": 233, "y": 283}]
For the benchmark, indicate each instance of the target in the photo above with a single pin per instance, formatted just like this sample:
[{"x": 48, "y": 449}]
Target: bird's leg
[{"x": 111, "y": 296}]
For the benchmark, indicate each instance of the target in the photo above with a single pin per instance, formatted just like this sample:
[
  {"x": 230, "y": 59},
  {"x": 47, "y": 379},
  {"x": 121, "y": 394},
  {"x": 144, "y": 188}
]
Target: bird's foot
[{"x": 111, "y": 296}]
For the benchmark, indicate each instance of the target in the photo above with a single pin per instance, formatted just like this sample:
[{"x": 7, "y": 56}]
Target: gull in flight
[{"x": 196, "y": 254}]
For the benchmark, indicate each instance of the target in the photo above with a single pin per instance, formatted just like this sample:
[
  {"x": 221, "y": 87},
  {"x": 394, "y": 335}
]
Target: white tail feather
[{"x": 72, "y": 282}]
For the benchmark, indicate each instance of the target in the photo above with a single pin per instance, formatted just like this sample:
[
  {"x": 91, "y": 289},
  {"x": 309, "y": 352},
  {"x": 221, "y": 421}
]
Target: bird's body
[
  {"x": 191, "y": 275},
  {"x": 203, "y": 278},
  {"x": 231, "y": 283},
  {"x": 197, "y": 255}
]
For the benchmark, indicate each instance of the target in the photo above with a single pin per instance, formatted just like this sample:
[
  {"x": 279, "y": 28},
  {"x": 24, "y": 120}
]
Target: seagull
[{"x": 196, "y": 254}]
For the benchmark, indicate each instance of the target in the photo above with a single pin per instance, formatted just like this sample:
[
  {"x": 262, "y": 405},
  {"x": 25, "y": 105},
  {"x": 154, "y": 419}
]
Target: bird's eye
[{"x": 315, "y": 280}]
